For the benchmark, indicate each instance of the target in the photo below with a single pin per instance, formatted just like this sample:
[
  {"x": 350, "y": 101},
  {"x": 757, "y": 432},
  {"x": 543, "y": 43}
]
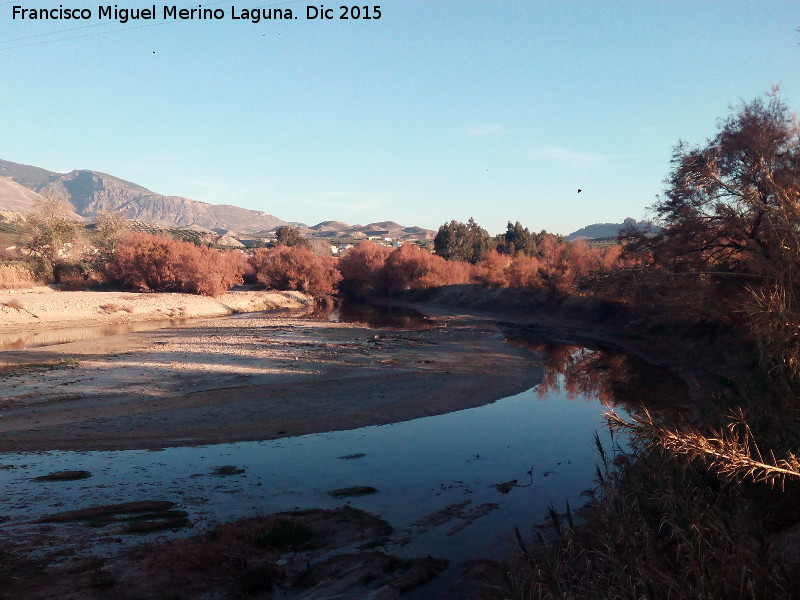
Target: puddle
[
  {"x": 391, "y": 317},
  {"x": 22, "y": 340}
]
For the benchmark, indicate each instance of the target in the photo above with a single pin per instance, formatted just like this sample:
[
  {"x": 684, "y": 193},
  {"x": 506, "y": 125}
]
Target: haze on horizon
[{"x": 435, "y": 111}]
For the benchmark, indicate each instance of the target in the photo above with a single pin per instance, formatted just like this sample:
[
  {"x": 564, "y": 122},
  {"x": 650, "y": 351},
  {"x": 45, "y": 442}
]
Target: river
[{"x": 503, "y": 464}]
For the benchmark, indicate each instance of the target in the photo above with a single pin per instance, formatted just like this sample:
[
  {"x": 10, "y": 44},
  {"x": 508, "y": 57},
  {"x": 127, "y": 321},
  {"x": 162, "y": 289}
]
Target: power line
[
  {"x": 98, "y": 33},
  {"x": 60, "y": 31},
  {"x": 92, "y": 34},
  {"x": 35, "y": 35}
]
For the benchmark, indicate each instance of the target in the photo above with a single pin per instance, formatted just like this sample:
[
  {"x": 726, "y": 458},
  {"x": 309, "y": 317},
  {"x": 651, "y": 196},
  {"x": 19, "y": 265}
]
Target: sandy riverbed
[
  {"x": 251, "y": 377},
  {"x": 44, "y": 307}
]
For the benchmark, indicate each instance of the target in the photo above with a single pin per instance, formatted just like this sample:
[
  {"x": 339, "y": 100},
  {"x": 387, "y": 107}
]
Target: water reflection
[
  {"x": 21, "y": 340},
  {"x": 544, "y": 445},
  {"x": 374, "y": 316},
  {"x": 393, "y": 317},
  {"x": 610, "y": 376}
]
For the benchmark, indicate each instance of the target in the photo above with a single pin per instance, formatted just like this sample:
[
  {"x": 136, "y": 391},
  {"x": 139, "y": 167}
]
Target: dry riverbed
[{"x": 250, "y": 377}]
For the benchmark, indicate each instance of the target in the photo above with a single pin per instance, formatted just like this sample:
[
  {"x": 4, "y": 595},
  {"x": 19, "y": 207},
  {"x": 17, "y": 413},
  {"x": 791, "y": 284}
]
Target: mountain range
[{"x": 91, "y": 193}]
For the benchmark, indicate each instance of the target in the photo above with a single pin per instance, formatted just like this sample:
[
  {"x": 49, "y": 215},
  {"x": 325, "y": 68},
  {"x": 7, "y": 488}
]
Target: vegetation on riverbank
[{"x": 707, "y": 509}]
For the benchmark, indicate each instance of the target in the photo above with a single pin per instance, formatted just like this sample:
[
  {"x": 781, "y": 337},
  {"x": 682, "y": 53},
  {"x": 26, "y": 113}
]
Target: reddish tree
[
  {"x": 411, "y": 267},
  {"x": 524, "y": 272},
  {"x": 494, "y": 270},
  {"x": 296, "y": 268},
  {"x": 362, "y": 269},
  {"x": 151, "y": 263}
]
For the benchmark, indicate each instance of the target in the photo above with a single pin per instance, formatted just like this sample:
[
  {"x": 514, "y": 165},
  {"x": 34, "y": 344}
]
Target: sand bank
[{"x": 248, "y": 377}]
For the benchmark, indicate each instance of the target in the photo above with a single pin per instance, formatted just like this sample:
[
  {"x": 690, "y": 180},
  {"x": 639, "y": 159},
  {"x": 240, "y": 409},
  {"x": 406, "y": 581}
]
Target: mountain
[
  {"x": 607, "y": 230},
  {"x": 16, "y": 198},
  {"x": 31, "y": 177},
  {"x": 92, "y": 192}
]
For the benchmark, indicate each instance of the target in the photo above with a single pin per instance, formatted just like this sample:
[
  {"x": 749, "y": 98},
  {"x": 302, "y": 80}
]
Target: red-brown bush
[
  {"x": 295, "y": 268},
  {"x": 362, "y": 269},
  {"x": 411, "y": 267},
  {"x": 523, "y": 272},
  {"x": 370, "y": 269},
  {"x": 556, "y": 269},
  {"x": 494, "y": 269},
  {"x": 563, "y": 263},
  {"x": 148, "y": 262}
]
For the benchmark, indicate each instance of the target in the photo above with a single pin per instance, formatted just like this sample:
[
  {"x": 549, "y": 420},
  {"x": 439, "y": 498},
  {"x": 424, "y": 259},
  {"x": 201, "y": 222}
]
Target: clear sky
[{"x": 441, "y": 109}]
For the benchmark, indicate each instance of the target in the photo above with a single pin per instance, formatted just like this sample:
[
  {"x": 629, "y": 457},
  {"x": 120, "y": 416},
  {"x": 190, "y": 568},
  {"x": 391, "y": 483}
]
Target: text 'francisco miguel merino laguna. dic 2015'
[{"x": 123, "y": 15}]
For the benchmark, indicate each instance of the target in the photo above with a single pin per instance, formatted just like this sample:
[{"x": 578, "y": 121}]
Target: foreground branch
[{"x": 732, "y": 453}]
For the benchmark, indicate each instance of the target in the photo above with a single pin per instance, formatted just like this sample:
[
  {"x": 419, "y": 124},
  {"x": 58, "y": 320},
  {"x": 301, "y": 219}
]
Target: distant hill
[
  {"x": 607, "y": 230},
  {"x": 32, "y": 178},
  {"x": 329, "y": 226},
  {"x": 92, "y": 192},
  {"x": 382, "y": 229}
]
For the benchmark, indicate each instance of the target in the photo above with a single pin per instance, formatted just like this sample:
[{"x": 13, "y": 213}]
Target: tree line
[{"x": 114, "y": 256}]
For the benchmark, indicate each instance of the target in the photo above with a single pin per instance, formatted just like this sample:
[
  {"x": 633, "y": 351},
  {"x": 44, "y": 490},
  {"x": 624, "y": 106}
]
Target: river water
[{"x": 540, "y": 443}]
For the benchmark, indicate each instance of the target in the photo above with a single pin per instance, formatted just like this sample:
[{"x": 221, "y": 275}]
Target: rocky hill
[
  {"x": 16, "y": 198},
  {"x": 92, "y": 192}
]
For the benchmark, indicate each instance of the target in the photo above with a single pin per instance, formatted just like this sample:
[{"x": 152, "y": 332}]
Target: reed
[
  {"x": 665, "y": 528},
  {"x": 731, "y": 452}
]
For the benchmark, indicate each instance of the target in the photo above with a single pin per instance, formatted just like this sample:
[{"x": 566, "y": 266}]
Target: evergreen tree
[
  {"x": 517, "y": 240},
  {"x": 458, "y": 241}
]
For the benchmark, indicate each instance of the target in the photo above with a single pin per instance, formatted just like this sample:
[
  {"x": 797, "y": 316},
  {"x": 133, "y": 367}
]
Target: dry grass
[
  {"x": 15, "y": 303},
  {"x": 113, "y": 307},
  {"x": 16, "y": 276},
  {"x": 662, "y": 527},
  {"x": 684, "y": 514},
  {"x": 75, "y": 283}
]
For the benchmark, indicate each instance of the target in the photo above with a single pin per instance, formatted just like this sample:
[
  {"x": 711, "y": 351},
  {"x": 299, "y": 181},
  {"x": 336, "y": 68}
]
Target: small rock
[
  {"x": 226, "y": 470},
  {"x": 352, "y": 456},
  {"x": 64, "y": 476},
  {"x": 506, "y": 486},
  {"x": 358, "y": 490}
]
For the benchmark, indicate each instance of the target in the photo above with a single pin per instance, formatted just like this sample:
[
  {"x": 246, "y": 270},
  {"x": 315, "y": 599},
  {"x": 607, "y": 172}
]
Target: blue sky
[{"x": 439, "y": 110}]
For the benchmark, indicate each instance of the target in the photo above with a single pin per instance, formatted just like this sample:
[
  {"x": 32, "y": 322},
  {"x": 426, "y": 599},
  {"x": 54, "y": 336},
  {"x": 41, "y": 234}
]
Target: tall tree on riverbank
[
  {"x": 730, "y": 218},
  {"x": 518, "y": 240},
  {"x": 459, "y": 241}
]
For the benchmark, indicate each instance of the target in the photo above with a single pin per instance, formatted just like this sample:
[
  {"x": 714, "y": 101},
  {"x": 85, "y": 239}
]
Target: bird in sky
[{"x": 579, "y": 190}]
